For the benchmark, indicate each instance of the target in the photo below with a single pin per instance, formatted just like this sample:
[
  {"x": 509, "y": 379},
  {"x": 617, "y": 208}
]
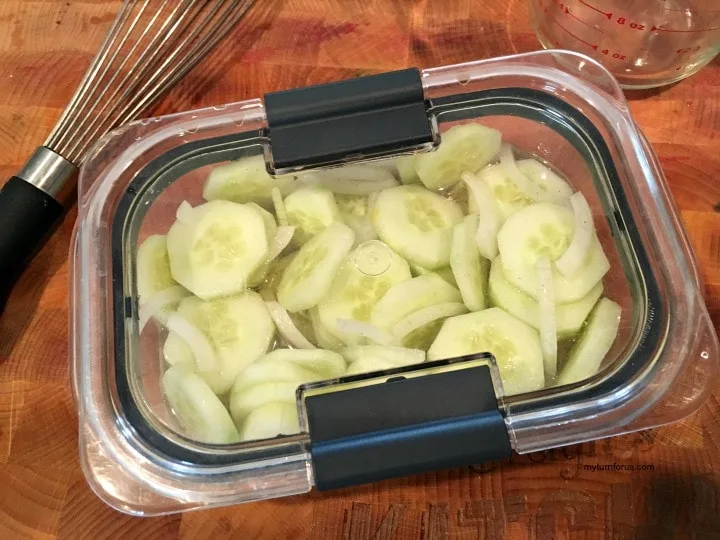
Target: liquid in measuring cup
[{"x": 643, "y": 43}]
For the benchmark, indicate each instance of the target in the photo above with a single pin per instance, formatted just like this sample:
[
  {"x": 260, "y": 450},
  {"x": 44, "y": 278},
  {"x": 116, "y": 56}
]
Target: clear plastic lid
[{"x": 508, "y": 273}]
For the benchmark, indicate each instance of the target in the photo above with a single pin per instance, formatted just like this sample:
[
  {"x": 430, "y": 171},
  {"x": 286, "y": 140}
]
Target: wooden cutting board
[{"x": 674, "y": 491}]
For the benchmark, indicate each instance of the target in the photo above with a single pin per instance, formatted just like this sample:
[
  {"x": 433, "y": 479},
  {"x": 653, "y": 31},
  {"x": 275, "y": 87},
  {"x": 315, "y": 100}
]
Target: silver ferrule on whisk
[{"x": 51, "y": 173}]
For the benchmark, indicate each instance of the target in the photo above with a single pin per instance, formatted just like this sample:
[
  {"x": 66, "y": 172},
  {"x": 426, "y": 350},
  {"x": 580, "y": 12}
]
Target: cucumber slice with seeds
[
  {"x": 588, "y": 352},
  {"x": 569, "y": 317},
  {"x": 308, "y": 278},
  {"x": 243, "y": 181},
  {"x": 470, "y": 269},
  {"x": 201, "y": 414},
  {"x": 463, "y": 148},
  {"x": 514, "y": 344},
  {"x": 354, "y": 292},
  {"x": 546, "y": 230},
  {"x": 310, "y": 210},
  {"x": 238, "y": 327},
  {"x": 214, "y": 251},
  {"x": 416, "y": 223},
  {"x": 508, "y": 197}
]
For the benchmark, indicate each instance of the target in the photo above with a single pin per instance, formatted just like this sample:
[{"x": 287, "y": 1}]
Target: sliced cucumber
[
  {"x": 596, "y": 339},
  {"x": 514, "y": 344},
  {"x": 153, "y": 267},
  {"x": 239, "y": 329},
  {"x": 405, "y": 167},
  {"x": 258, "y": 276},
  {"x": 353, "y": 179},
  {"x": 417, "y": 223},
  {"x": 308, "y": 278},
  {"x": 286, "y": 327},
  {"x": 409, "y": 296},
  {"x": 508, "y": 197},
  {"x": 269, "y": 421},
  {"x": 365, "y": 276},
  {"x": 555, "y": 188},
  {"x": 545, "y": 230},
  {"x": 274, "y": 276},
  {"x": 590, "y": 349},
  {"x": 364, "y": 359},
  {"x": 463, "y": 148},
  {"x": 469, "y": 268},
  {"x": 418, "y": 330},
  {"x": 445, "y": 272},
  {"x": 355, "y": 213},
  {"x": 216, "y": 248},
  {"x": 569, "y": 317},
  {"x": 201, "y": 414},
  {"x": 289, "y": 365},
  {"x": 323, "y": 336},
  {"x": 275, "y": 378},
  {"x": 310, "y": 210},
  {"x": 245, "y": 180}
]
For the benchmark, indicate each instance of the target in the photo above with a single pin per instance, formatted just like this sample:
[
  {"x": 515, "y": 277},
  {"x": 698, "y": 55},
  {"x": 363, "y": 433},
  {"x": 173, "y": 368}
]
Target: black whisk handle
[{"x": 27, "y": 217}]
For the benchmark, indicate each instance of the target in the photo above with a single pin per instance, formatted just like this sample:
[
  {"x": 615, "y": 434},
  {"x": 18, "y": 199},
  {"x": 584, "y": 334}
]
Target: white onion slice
[
  {"x": 357, "y": 180},
  {"x": 529, "y": 188},
  {"x": 157, "y": 301},
  {"x": 546, "y": 308},
  {"x": 181, "y": 214},
  {"x": 366, "y": 330},
  {"x": 286, "y": 327},
  {"x": 197, "y": 341},
  {"x": 489, "y": 218},
  {"x": 424, "y": 316},
  {"x": 279, "y": 206},
  {"x": 281, "y": 240},
  {"x": 571, "y": 262}
]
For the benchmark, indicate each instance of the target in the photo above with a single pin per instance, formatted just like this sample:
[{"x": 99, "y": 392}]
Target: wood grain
[{"x": 45, "y": 47}]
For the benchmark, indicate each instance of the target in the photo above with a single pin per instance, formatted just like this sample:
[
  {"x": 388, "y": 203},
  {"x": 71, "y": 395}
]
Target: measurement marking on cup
[
  {"x": 607, "y": 14},
  {"x": 568, "y": 12},
  {"x": 661, "y": 29},
  {"x": 573, "y": 35}
]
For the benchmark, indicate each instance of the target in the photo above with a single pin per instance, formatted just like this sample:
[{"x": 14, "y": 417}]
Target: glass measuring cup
[{"x": 643, "y": 43}]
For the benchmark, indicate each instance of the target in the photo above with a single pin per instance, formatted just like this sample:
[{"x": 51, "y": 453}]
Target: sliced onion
[
  {"x": 157, "y": 301},
  {"x": 286, "y": 327},
  {"x": 570, "y": 262},
  {"x": 546, "y": 307},
  {"x": 182, "y": 212},
  {"x": 281, "y": 240},
  {"x": 489, "y": 218},
  {"x": 366, "y": 330},
  {"x": 279, "y": 206},
  {"x": 357, "y": 180},
  {"x": 197, "y": 341},
  {"x": 528, "y": 188},
  {"x": 421, "y": 317}
]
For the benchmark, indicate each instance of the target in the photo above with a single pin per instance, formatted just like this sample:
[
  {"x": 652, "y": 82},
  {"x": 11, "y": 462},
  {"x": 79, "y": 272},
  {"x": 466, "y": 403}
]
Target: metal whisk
[{"x": 150, "y": 46}]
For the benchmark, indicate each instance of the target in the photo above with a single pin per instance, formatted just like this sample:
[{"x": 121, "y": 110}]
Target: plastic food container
[{"x": 211, "y": 370}]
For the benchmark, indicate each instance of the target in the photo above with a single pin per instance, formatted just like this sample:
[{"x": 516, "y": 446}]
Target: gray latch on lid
[
  {"x": 367, "y": 116},
  {"x": 405, "y": 425}
]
